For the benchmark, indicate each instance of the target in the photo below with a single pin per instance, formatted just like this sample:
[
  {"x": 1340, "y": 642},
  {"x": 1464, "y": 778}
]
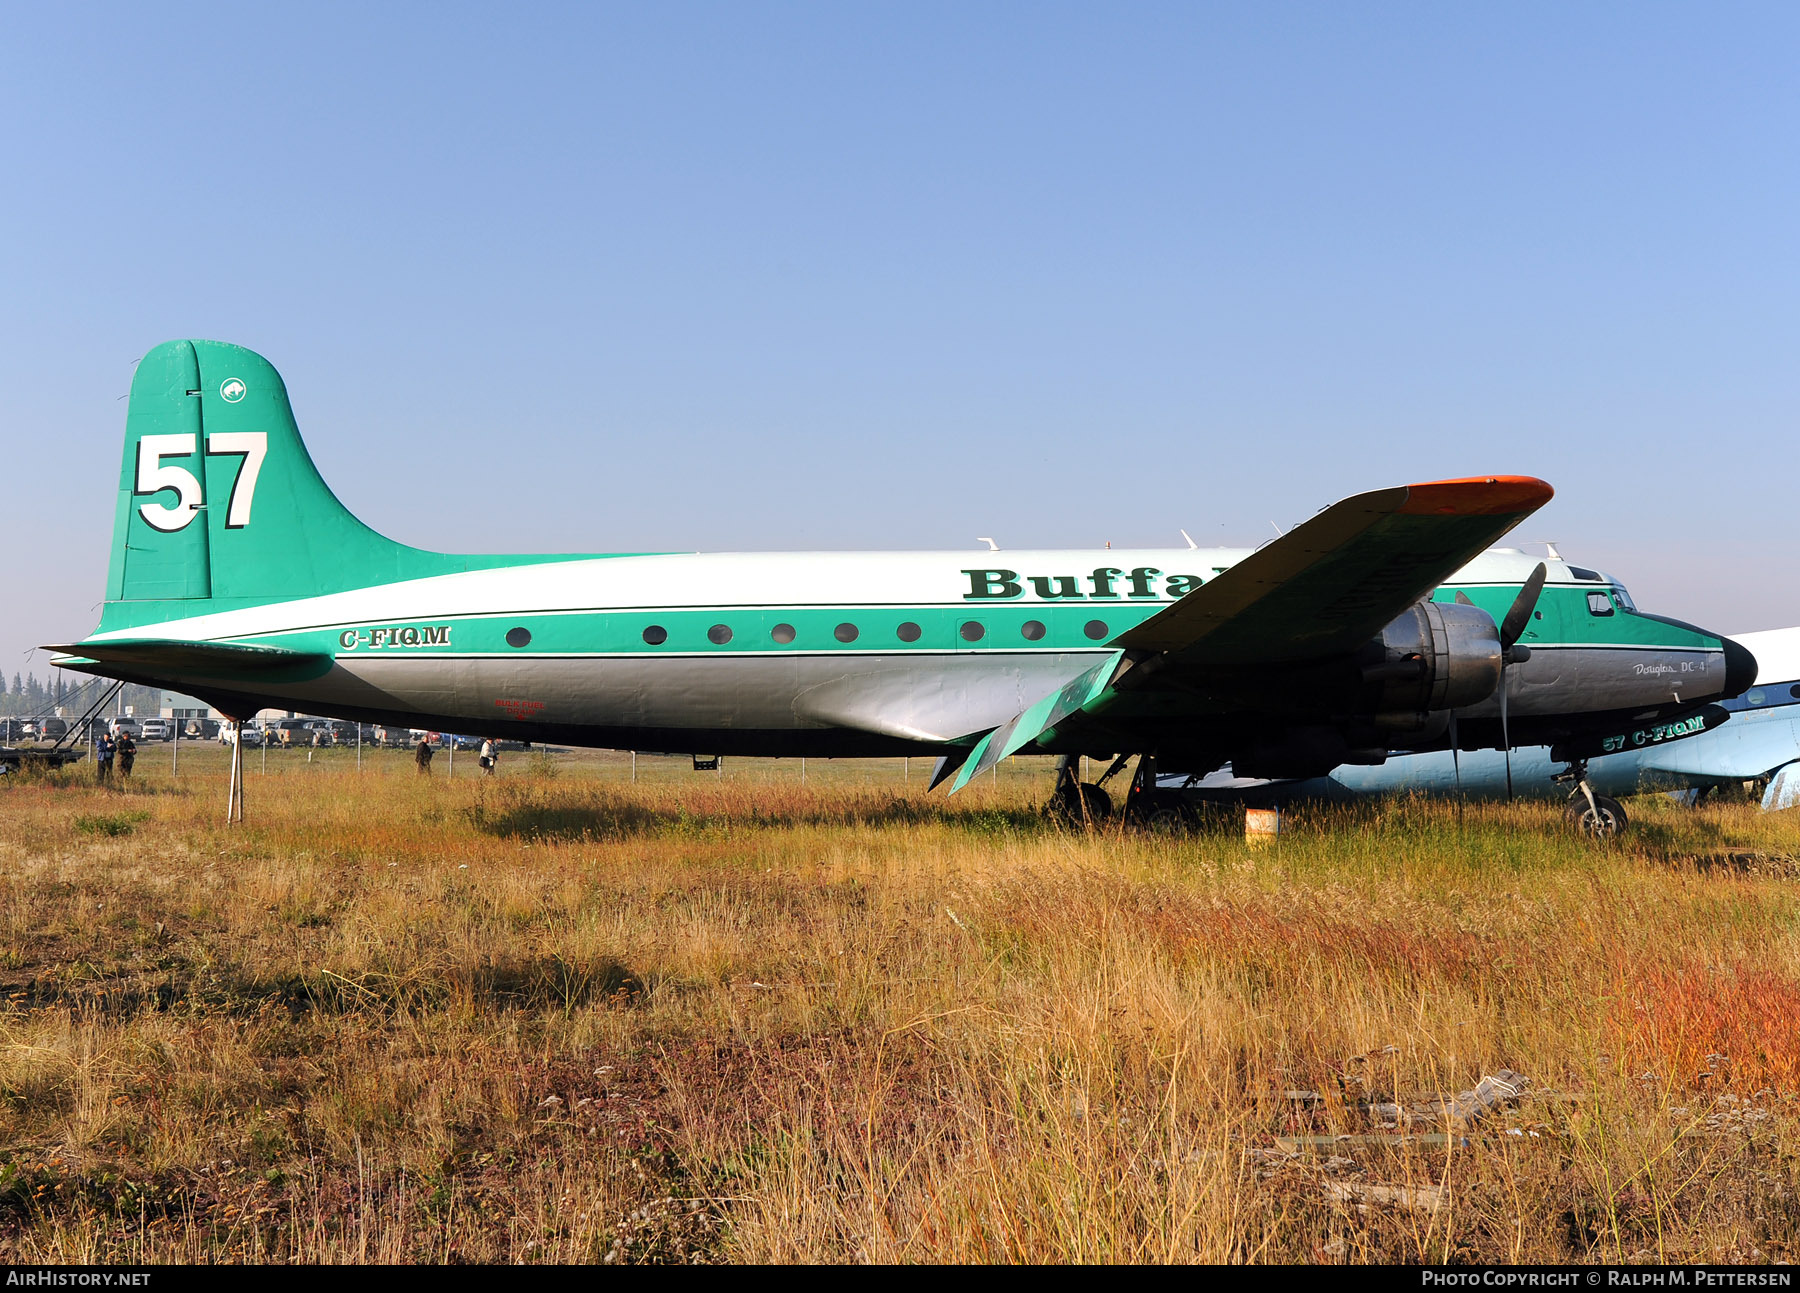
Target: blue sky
[{"x": 608, "y": 278}]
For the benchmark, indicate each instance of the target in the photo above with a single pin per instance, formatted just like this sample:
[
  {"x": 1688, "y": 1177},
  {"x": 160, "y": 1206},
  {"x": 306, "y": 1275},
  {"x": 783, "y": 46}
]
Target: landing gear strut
[
  {"x": 1074, "y": 803},
  {"x": 1157, "y": 811},
  {"x": 1597, "y": 816}
]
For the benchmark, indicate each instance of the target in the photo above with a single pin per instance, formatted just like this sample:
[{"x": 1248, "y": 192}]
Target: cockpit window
[
  {"x": 1623, "y": 599},
  {"x": 1599, "y": 604}
]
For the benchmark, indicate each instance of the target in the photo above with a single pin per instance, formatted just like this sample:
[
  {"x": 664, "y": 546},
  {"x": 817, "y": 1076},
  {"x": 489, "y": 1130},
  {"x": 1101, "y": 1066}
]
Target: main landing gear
[
  {"x": 1077, "y": 803},
  {"x": 1596, "y": 816}
]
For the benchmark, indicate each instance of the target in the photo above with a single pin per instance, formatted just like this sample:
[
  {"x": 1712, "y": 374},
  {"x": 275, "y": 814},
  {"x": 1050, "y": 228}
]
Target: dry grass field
[{"x": 559, "y": 1016}]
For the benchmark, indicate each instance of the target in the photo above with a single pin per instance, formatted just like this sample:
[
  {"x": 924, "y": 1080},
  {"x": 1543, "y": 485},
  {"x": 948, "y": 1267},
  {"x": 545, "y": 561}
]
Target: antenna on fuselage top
[
  {"x": 1190, "y": 539},
  {"x": 992, "y": 546}
]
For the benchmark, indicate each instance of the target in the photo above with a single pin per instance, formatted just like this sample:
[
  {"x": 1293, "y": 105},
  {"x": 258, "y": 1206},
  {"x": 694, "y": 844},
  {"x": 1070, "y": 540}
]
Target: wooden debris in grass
[{"x": 1425, "y": 1198}]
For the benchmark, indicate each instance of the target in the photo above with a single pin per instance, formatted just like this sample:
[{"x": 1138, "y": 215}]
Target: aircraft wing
[
  {"x": 178, "y": 660},
  {"x": 1323, "y": 589},
  {"x": 1331, "y": 583}
]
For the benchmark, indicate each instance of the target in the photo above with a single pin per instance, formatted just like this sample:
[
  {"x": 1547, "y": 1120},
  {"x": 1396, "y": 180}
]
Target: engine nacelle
[{"x": 1438, "y": 656}]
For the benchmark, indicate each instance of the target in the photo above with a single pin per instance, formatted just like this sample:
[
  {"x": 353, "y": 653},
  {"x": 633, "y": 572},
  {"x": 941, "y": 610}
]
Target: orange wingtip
[{"x": 1477, "y": 496}]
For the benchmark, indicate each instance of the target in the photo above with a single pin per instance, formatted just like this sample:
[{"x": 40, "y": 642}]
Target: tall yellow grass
[{"x": 559, "y": 1016}]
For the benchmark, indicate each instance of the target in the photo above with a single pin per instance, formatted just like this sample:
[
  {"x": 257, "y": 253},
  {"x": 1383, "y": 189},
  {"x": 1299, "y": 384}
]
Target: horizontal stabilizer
[
  {"x": 1784, "y": 789},
  {"x": 179, "y": 662}
]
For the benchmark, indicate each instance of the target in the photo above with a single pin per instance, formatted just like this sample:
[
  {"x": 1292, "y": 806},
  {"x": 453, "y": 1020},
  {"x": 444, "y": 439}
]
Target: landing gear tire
[
  {"x": 1605, "y": 820},
  {"x": 1080, "y": 804},
  {"x": 1167, "y": 820}
]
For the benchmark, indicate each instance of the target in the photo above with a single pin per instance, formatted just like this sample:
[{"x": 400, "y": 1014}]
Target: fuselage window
[
  {"x": 656, "y": 635},
  {"x": 1794, "y": 691},
  {"x": 844, "y": 633},
  {"x": 1755, "y": 696},
  {"x": 1033, "y": 630},
  {"x": 972, "y": 631},
  {"x": 1599, "y": 604},
  {"x": 1095, "y": 629},
  {"x": 518, "y": 637},
  {"x": 1623, "y": 598},
  {"x": 908, "y": 632},
  {"x": 782, "y": 633},
  {"x": 719, "y": 634}
]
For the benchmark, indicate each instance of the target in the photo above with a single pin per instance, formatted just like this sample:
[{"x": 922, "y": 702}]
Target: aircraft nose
[{"x": 1740, "y": 670}]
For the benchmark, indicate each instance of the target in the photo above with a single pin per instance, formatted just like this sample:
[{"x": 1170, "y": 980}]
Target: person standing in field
[
  {"x": 490, "y": 757},
  {"x": 103, "y": 758},
  {"x": 422, "y": 757},
  {"x": 127, "y": 753}
]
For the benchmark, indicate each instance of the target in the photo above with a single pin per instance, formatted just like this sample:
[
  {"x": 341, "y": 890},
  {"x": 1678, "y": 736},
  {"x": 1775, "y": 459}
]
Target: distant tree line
[{"x": 27, "y": 696}]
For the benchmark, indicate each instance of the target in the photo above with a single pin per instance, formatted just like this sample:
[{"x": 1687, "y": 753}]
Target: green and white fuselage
[
  {"x": 237, "y": 576},
  {"x": 753, "y": 652}
]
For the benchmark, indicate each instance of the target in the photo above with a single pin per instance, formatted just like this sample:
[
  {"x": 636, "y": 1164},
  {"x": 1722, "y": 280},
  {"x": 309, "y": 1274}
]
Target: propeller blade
[
  {"x": 1518, "y": 615},
  {"x": 1456, "y": 760},
  {"x": 1505, "y": 734}
]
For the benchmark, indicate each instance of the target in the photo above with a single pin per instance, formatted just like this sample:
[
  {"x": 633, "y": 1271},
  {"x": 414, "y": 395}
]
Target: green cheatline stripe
[
  {"x": 618, "y": 631},
  {"x": 893, "y": 649},
  {"x": 966, "y": 610},
  {"x": 815, "y": 631}
]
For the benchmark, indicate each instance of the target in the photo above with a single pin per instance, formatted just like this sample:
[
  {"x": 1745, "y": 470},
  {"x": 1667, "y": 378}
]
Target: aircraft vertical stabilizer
[{"x": 220, "y": 501}]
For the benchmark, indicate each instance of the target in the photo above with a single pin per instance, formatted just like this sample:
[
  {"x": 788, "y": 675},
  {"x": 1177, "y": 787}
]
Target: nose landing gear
[{"x": 1595, "y": 816}]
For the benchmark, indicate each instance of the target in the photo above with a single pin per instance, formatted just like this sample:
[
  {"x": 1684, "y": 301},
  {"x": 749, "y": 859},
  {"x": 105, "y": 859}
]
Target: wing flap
[{"x": 1039, "y": 720}]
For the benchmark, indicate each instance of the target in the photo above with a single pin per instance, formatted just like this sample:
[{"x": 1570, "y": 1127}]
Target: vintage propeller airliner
[{"x": 1381, "y": 623}]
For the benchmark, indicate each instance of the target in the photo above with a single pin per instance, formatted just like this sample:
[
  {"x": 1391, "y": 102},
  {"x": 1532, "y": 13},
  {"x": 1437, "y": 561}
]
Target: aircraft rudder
[{"x": 158, "y": 552}]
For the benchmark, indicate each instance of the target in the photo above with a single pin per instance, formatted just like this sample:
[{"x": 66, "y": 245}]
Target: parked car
[
  {"x": 290, "y": 731},
  {"x": 156, "y": 729},
  {"x": 51, "y": 729},
  {"x": 123, "y": 726},
  {"x": 199, "y": 729}
]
